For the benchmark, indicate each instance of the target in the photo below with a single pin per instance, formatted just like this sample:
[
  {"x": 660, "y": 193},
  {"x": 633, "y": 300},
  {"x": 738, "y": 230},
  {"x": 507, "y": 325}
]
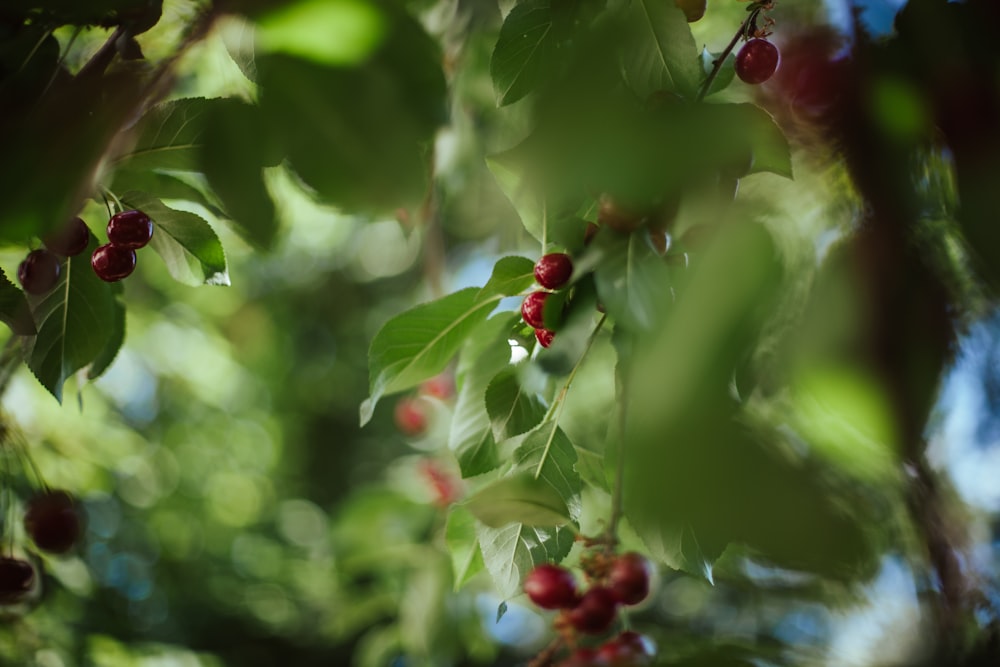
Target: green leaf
[
  {"x": 14, "y": 310},
  {"x": 659, "y": 52},
  {"x": 165, "y": 186},
  {"x": 332, "y": 32},
  {"x": 550, "y": 455},
  {"x": 75, "y": 323},
  {"x": 519, "y": 498},
  {"x": 485, "y": 354},
  {"x": 169, "y": 136},
  {"x": 234, "y": 168},
  {"x": 512, "y": 410},
  {"x": 463, "y": 546},
  {"x": 520, "y": 58},
  {"x": 770, "y": 147},
  {"x": 507, "y": 169},
  {"x": 509, "y": 553},
  {"x": 632, "y": 280},
  {"x": 186, "y": 242},
  {"x": 726, "y": 73},
  {"x": 511, "y": 275},
  {"x": 419, "y": 343},
  {"x": 359, "y": 136},
  {"x": 114, "y": 342}
]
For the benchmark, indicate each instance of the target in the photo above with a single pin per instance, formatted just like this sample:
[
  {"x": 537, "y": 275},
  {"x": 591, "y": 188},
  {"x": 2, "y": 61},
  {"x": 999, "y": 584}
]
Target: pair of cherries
[
  {"x": 552, "y": 272},
  {"x": 127, "y": 232}
]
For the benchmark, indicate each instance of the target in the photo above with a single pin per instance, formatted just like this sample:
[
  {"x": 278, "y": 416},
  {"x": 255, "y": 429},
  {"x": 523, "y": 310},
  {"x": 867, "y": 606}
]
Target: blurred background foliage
[{"x": 238, "y": 515}]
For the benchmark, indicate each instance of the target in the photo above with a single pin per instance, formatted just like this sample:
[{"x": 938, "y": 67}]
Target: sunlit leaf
[
  {"x": 512, "y": 410},
  {"x": 510, "y": 552},
  {"x": 726, "y": 74},
  {"x": 519, "y": 498},
  {"x": 417, "y": 344},
  {"x": 75, "y": 321},
  {"x": 169, "y": 136},
  {"x": 186, "y": 242},
  {"x": 463, "y": 545},
  {"x": 511, "y": 275}
]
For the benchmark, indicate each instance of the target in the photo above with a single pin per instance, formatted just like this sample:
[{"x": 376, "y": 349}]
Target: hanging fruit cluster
[
  {"x": 553, "y": 272},
  {"x": 613, "y": 581}
]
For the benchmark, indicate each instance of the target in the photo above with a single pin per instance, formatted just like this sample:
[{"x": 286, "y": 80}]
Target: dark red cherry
[
  {"x": 112, "y": 262},
  {"x": 551, "y": 587},
  {"x": 533, "y": 308},
  {"x": 54, "y": 521},
  {"x": 618, "y": 216},
  {"x": 594, "y": 612},
  {"x": 16, "y": 578},
  {"x": 39, "y": 272},
  {"x": 553, "y": 270},
  {"x": 757, "y": 61},
  {"x": 69, "y": 240},
  {"x": 629, "y": 649},
  {"x": 628, "y": 578},
  {"x": 582, "y": 657},
  {"x": 544, "y": 337},
  {"x": 130, "y": 229}
]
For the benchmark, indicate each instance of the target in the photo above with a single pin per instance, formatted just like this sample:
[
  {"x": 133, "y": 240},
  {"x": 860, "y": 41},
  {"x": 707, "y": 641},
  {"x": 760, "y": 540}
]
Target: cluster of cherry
[
  {"x": 613, "y": 581},
  {"x": 127, "y": 232},
  {"x": 54, "y": 521},
  {"x": 552, "y": 272}
]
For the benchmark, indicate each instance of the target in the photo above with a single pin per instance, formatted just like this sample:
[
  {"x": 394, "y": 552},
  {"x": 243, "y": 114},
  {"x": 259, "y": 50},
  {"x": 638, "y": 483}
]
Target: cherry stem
[
  {"x": 555, "y": 412},
  {"x": 618, "y": 493},
  {"x": 547, "y": 654},
  {"x": 720, "y": 61}
]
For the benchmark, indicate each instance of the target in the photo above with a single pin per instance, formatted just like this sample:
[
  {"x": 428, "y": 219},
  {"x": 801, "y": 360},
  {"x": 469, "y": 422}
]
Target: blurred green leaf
[
  {"x": 523, "y": 48},
  {"x": 519, "y": 498},
  {"x": 512, "y": 410},
  {"x": 419, "y": 343},
  {"x": 75, "y": 321},
  {"x": 234, "y": 166},
  {"x": 186, "y": 242},
  {"x": 633, "y": 281},
  {"x": 512, "y": 551},
  {"x": 360, "y": 136},
  {"x": 331, "y": 32},
  {"x": 166, "y": 186}
]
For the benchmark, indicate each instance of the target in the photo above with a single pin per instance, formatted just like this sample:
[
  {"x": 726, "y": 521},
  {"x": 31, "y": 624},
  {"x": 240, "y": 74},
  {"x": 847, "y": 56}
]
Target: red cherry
[
  {"x": 130, "y": 229},
  {"x": 595, "y": 611},
  {"x": 69, "y": 240},
  {"x": 553, "y": 270},
  {"x": 440, "y": 386},
  {"x": 582, "y": 657},
  {"x": 628, "y": 578},
  {"x": 112, "y": 262},
  {"x": 39, "y": 272},
  {"x": 629, "y": 649},
  {"x": 757, "y": 61},
  {"x": 54, "y": 521},
  {"x": 16, "y": 578},
  {"x": 544, "y": 337},
  {"x": 533, "y": 308},
  {"x": 551, "y": 587},
  {"x": 410, "y": 416}
]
